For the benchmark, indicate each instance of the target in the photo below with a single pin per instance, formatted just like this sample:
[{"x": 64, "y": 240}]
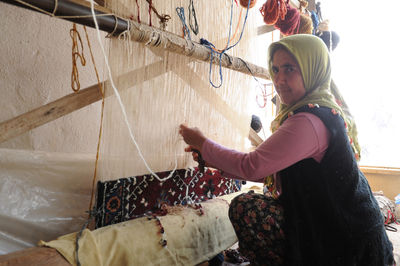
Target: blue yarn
[
  {"x": 315, "y": 20},
  {"x": 181, "y": 14},
  {"x": 209, "y": 45}
]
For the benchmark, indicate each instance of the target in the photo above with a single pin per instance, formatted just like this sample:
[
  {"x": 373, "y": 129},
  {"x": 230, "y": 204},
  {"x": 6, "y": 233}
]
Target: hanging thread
[
  {"x": 55, "y": 8},
  {"x": 123, "y": 109},
  {"x": 163, "y": 18},
  {"x": 181, "y": 14},
  {"x": 101, "y": 118},
  {"x": 138, "y": 11},
  {"x": 76, "y": 54},
  {"x": 213, "y": 50},
  {"x": 192, "y": 14},
  {"x": 150, "y": 7}
]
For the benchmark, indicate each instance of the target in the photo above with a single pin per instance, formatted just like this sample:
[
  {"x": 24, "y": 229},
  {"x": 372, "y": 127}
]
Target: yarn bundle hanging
[
  {"x": 272, "y": 10},
  {"x": 290, "y": 24},
  {"x": 286, "y": 18},
  {"x": 245, "y": 3}
]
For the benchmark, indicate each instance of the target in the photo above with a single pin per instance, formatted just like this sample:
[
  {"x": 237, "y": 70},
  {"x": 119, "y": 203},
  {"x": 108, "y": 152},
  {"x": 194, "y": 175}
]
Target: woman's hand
[
  {"x": 192, "y": 136},
  {"x": 195, "y": 156}
]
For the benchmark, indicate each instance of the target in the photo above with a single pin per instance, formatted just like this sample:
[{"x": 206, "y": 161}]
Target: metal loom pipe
[{"x": 111, "y": 23}]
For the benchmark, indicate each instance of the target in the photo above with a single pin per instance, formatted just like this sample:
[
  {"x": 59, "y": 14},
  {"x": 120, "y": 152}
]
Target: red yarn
[
  {"x": 272, "y": 10},
  {"x": 245, "y": 3},
  {"x": 290, "y": 24}
]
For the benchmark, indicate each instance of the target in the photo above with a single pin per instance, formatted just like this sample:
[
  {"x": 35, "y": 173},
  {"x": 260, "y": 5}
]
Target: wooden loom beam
[{"x": 142, "y": 33}]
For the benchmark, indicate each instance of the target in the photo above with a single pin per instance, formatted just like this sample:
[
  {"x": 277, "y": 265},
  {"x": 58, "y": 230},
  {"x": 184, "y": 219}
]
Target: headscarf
[{"x": 312, "y": 56}]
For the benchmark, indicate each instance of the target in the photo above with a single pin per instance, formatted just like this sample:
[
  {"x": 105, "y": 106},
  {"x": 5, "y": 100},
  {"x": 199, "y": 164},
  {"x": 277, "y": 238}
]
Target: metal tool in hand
[{"x": 200, "y": 160}]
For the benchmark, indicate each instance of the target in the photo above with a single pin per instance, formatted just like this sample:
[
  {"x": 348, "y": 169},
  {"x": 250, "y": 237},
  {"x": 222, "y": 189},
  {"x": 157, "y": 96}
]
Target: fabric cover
[
  {"x": 191, "y": 238},
  {"x": 127, "y": 198}
]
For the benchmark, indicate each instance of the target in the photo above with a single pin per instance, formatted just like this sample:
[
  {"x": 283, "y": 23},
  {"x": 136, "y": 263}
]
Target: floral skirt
[{"x": 258, "y": 220}]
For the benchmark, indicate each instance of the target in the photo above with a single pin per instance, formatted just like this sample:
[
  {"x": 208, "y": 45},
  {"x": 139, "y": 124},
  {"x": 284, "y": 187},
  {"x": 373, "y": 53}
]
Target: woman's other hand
[{"x": 192, "y": 136}]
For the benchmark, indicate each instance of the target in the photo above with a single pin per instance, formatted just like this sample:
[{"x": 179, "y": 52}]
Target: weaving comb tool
[{"x": 200, "y": 160}]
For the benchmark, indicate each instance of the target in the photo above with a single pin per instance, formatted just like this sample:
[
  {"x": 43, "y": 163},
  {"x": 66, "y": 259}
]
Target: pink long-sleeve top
[{"x": 301, "y": 136}]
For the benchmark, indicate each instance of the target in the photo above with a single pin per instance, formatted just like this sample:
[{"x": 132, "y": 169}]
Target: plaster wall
[{"x": 36, "y": 65}]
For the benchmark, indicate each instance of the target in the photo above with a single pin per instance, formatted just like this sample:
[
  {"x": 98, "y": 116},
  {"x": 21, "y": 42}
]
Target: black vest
[{"x": 331, "y": 216}]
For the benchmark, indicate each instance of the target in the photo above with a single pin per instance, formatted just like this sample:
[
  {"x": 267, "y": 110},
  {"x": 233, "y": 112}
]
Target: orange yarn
[
  {"x": 245, "y": 3},
  {"x": 101, "y": 121},
  {"x": 272, "y": 10},
  {"x": 76, "y": 54}
]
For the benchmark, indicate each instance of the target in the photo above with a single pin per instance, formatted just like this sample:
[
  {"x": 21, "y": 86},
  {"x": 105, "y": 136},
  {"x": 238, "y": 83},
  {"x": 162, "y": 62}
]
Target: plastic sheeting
[{"x": 42, "y": 196}]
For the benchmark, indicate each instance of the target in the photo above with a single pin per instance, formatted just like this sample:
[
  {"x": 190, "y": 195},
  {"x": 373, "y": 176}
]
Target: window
[{"x": 365, "y": 68}]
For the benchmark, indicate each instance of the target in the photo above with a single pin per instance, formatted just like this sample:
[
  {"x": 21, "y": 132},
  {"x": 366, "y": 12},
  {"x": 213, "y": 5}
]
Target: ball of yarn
[
  {"x": 324, "y": 25},
  {"x": 272, "y": 10},
  {"x": 256, "y": 124},
  {"x": 306, "y": 24},
  {"x": 290, "y": 24},
  {"x": 245, "y": 3},
  {"x": 330, "y": 38}
]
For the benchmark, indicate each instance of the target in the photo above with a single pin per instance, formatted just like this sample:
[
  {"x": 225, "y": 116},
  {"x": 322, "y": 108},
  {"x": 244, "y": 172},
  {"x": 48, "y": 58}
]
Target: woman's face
[{"x": 287, "y": 79}]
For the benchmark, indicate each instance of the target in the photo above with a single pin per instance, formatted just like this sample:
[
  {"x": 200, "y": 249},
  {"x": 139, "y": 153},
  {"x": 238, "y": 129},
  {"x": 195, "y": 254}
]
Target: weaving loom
[{"x": 164, "y": 78}]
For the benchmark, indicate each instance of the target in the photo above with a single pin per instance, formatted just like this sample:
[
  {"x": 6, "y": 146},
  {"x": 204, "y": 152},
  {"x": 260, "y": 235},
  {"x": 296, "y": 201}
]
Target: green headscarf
[{"x": 312, "y": 56}]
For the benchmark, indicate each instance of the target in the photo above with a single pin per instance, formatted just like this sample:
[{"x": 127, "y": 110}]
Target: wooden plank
[
  {"x": 49, "y": 112},
  {"x": 70, "y": 103},
  {"x": 265, "y": 29},
  {"x": 255, "y": 138},
  {"x": 38, "y": 256}
]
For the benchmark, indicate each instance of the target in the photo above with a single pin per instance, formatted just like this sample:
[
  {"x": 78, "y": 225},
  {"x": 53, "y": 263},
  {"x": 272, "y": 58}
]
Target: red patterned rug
[{"x": 128, "y": 198}]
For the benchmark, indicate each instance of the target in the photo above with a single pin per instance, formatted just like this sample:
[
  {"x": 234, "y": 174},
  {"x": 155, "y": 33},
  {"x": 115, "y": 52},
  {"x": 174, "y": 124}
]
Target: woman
[{"x": 319, "y": 209}]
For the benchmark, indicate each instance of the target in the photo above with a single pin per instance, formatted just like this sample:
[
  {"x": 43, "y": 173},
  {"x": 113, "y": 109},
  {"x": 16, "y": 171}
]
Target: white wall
[{"x": 36, "y": 64}]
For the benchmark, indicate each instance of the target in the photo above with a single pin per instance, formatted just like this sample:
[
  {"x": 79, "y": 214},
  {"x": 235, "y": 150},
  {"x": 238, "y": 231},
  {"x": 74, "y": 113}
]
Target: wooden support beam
[
  {"x": 49, "y": 112},
  {"x": 38, "y": 256},
  {"x": 70, "y": 103},
  {"x": 255, "y": 138},
  {"x": 265, "y": 29},
  {"x": 173, "y": 43}
]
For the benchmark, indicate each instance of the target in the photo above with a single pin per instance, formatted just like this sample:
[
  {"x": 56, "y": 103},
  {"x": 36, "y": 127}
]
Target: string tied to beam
[
  {"x": 192, "y": 15},
  {"x": 150, "y": 7},
  {"x": 213, "y": 50},
  {"x": 76, "y": 54},
  {"x": 55, "y": 8},
  {"x": 181, "y": 14},
  {"x": 110, "y": 34}
]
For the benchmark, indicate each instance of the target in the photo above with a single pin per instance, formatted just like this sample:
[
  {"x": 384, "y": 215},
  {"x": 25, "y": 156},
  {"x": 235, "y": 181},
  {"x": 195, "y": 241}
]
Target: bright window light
[{"x": 366, "y": 70}]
